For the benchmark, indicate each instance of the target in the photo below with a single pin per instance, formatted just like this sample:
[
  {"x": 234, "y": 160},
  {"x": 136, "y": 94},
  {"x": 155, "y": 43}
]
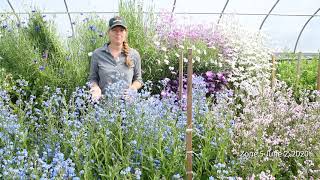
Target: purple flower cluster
[{"x": 214, "y": 82}]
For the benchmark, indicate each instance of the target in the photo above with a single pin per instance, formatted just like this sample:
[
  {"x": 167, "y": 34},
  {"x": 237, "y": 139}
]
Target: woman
[{"x": 115, "y": 61}]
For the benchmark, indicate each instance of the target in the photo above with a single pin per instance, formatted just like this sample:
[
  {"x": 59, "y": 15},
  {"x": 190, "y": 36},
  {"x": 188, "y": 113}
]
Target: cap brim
[{"x": 118, "y": 25}]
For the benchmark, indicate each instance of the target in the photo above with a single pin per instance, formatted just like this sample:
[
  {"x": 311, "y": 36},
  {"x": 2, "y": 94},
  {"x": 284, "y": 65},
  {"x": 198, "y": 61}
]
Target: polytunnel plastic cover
[{"x": 287, "y": 20}]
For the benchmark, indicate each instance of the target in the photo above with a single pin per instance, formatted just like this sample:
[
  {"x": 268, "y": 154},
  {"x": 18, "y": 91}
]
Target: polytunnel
[{"x": 159, "y": 89}]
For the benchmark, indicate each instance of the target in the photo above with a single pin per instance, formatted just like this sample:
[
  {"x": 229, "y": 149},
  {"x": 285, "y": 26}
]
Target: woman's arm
[
  {"x": 137, "y": 82},
  {"x": 94, "y": 78}
]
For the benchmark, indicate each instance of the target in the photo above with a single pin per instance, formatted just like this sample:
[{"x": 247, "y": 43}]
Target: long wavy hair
[{"x": 126, "y": 48}]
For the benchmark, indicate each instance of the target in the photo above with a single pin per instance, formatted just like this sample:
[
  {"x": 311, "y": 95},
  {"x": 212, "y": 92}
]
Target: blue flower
[
  {"x": 41, "y": 68},
  {"x": 37, "y": 28},
  {"x": 92, "y": 28}
]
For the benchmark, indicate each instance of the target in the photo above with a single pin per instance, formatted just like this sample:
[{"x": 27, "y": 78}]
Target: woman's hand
[
  {"x": 95, "y": 92},
  {"x": 129, "y": 93}
]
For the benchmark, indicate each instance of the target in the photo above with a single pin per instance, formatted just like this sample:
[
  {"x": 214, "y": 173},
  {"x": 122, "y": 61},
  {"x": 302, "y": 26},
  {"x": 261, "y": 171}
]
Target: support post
[
  {"x": 189, "y": 151},
  {"x": 318, "y": 79},
  {"x": 180, "y": 88}
]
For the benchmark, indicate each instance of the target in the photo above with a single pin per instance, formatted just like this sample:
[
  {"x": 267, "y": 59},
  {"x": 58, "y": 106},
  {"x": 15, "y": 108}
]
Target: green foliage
[
  {"x": 4, "y": 79},
  {"x": 18, "y": 57},
  {"x": 43, "y": 38},
  {"x": 307, "y": 79},
  {"x": 35, "y": 53},
  {"x": 141, "y": 29},
  {"x": 89, "y": 35}
]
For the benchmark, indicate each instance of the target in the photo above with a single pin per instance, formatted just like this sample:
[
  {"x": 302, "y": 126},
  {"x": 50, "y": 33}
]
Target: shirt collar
[{"x": 106, "y": 48}]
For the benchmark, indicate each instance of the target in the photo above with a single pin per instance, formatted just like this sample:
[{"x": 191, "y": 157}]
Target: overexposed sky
[{"x": 283, "y": 30}]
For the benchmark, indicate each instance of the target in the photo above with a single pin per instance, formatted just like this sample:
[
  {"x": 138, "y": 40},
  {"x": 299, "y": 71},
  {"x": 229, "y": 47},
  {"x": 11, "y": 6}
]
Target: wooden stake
[
  {"x": 273, "y": 78},
  {"x": 189, "y": 151},
  {"x": 318, "y": 79},
  {"x": 180, "y": 88}
]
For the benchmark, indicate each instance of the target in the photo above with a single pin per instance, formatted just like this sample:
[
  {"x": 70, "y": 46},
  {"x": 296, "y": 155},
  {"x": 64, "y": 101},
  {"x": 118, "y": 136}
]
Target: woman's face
[{"x": 117, "y": 35}]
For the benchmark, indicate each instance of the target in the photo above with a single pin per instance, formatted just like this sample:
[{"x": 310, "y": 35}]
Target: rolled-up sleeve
[
  {"x": 94, "y": 75},
  {"x": 137, "y": 75}
]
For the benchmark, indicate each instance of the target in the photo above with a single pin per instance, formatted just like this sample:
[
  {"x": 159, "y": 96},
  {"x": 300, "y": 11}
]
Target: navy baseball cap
[{"x": 117, "y": 21}]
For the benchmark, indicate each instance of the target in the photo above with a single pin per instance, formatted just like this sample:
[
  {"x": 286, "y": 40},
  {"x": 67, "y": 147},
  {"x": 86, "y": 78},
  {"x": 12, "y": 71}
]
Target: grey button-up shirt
[{"x": 105, "y": 70}]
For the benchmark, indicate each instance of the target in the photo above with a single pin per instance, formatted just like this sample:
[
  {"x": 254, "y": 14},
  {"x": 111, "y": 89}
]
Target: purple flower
[
  {"x": 209, "y": 74},
  {"x": 45, "y": 55},
  {"x": 212, "y": 83}
]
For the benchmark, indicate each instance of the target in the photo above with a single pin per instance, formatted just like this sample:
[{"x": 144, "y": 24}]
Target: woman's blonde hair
[{"x": 126, "y": 48}]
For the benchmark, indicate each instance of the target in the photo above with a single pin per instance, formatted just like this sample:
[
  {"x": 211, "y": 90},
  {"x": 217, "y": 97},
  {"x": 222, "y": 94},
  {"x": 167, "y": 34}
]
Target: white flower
[
  {"x": 181, "y": 47},
  {"x": 134, "y": 142},
  {"x": 171, "y": 68},
  {"x": 185, "y": 60},
  {"x": 212, "y": 47},
  {"x": 137, "y": 172},
  {"x": 157, "y": 43},
  {"x": 166, "y": 61},
  {"x": 164, "y": 49},
  {"x": 198, "y": 58},
  {"x": 176, "y": 176},
  {"x": 204, "y": 52},
  {"x": 155, "y": 37},
  {"x": 198, "y": 51},
  {"x": 177, "y": 54},
  {"x": 90, "y": 54}
]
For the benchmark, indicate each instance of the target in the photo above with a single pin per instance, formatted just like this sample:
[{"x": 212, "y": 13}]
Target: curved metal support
[
  {"x": 14, "y": 12},
  {"x": 65, "y": 3},
  {"x": 295, "y": 47},
  {"x": 268, "y": 14},
  {"x": 174, "y": 5},
  {"x": 225, "y": 6}
]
